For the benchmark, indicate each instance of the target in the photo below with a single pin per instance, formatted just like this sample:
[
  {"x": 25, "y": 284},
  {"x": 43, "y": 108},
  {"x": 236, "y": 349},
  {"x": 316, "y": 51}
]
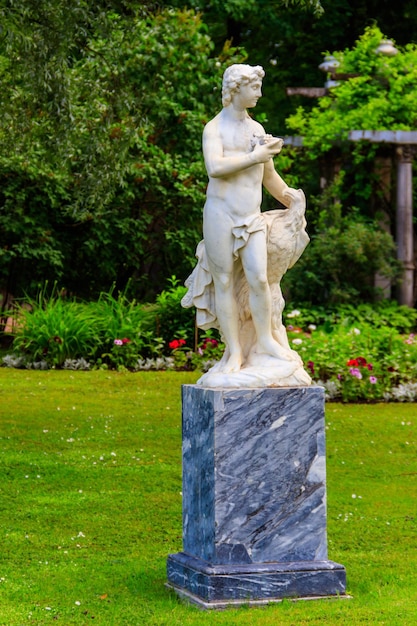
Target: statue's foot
[
  {"x": 233, "y": 364},
  {"x": 272, "y": 348}
]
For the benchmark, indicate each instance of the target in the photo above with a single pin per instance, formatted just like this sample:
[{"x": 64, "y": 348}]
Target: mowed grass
[{"x": 90, "y": 507}]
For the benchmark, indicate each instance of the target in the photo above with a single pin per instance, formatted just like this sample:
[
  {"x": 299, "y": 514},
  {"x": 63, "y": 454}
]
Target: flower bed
[{"x": 358, "y": 353}]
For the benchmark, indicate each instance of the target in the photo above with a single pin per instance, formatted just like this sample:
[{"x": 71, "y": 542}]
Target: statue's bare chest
[{"x": 236, "y": 136}]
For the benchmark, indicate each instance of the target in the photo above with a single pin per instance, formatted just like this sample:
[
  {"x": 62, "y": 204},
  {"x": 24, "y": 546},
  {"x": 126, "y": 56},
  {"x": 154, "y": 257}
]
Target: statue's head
[{"x": 237, "y": 75}]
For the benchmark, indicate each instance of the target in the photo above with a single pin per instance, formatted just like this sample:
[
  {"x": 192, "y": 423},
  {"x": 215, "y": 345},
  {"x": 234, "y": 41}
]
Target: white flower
[
  {"x": 312, "y": 327},
  {"x": 355, "y": 331},
  {"x": 294, "y": 313},
  {"x": 297, "y": 342}
]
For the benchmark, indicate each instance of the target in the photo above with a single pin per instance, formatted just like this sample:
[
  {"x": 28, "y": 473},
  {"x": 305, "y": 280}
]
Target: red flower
[
  {"x": 176, "y": 343},
  {"x": 310, "y": 366},
  {"x": 125, "y": 340},
  {"x": 361, "y": 361},
  {"x": 353, "y": 363}
]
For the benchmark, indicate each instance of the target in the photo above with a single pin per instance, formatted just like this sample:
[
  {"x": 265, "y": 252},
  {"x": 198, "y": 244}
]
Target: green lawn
[{"x": 90, "y": 505}]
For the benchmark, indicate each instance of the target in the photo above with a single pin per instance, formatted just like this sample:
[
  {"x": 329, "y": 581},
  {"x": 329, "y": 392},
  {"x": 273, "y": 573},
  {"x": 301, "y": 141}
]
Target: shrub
[
  {"x": 125, "y": 331},
  {"x": 358, "y": 362},
  {"x": 113, "y": 331},
  {"x": 171, "y": 319},
  {"x": 54, "y": 330},
  {"x": 385, "y": 313},
  {"x": 358, "y": 353},
  {"x": 341, "y": 261}
]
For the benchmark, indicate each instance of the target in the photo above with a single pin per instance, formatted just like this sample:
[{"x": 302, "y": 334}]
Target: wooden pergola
[{"x": 405, "y": 142}]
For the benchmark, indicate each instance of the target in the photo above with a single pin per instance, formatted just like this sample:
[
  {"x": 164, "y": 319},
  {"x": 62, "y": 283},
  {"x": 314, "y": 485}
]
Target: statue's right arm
[{"x": 218, "y": 165}]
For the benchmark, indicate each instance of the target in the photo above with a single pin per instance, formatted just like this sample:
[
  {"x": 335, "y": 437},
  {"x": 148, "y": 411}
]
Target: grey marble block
[
  {"x": 207, "y": 584},
  {"x": 254, "y": 495}
]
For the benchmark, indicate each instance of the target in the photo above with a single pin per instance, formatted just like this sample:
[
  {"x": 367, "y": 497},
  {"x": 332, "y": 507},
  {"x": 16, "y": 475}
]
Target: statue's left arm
[{"x": 276, "y": 186}]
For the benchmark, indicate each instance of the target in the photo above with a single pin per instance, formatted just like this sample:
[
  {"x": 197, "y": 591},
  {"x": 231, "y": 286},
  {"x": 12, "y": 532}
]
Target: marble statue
[{"x": 245, "y": 253}]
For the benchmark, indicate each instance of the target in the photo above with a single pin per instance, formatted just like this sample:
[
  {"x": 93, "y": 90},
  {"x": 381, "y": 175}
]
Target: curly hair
[{"x": 236, "y": 75}]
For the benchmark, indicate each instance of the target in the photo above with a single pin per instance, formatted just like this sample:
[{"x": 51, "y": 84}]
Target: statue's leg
[
  {"x": 219, "y": 248},
  {"x": 254, "y": 261}
]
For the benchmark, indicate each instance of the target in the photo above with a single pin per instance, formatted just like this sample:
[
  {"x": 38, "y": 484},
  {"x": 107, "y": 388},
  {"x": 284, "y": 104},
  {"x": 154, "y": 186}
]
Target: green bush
[
  {"x": 385, "y": 313},
  {"x": 357, "y": 363},
  {"x": 125, "y": 331},
  {"x": 172, "y": 321},
  {"x": 340, "y": 263},
  {"x": 113, "y": 331},
  {"x": 53, "y": 330}
]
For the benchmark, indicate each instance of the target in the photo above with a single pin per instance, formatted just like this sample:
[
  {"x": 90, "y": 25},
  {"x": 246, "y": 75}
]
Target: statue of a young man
[{"x": 231, "y": 286}]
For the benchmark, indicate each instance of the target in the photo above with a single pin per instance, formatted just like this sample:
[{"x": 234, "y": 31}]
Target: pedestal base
[
  {"x": 219, "y": 586},
  {"x": 254, "y": 498}
]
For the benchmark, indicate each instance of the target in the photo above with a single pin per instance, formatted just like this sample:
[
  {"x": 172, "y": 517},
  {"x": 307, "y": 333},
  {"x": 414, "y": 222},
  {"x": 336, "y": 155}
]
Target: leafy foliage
[
  {"x": 359, "y": 363},
  {"x": 385, "y": 313},
  {"x": 379, "y": 93},
  {"x": 115, "y": 331},
  {"x": 289, "y": 40},
  {"x": 171, "y": 319},
  {"x": 53, "y": 330},
  {"x": 349, "y": 246},
  {"x": 103, "y": 173},
  {"x": 341, "y": 260},
  {"x": 359, "y": 353}
]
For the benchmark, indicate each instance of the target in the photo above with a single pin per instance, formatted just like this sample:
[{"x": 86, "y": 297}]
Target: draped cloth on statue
[{"x": 286, "y": 241}]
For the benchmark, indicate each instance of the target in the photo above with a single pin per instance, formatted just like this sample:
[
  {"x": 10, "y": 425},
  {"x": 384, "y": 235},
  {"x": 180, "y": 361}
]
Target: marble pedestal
[{"x": 254, "y": 498}]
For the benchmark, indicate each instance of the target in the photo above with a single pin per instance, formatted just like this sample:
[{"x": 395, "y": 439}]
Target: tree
[
  {"x": 97, "y": 184},
  {"x": 289, "y": 39},
  {"x": 378, "y": 93},
  {"x": 111, "y": 183}
]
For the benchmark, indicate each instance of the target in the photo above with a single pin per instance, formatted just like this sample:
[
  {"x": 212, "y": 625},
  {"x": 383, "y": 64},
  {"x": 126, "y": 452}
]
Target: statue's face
[{"x": 248, "y": 95}]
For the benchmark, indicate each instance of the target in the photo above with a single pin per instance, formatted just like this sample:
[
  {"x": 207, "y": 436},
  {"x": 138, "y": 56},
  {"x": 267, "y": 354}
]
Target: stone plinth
[{"x": 254, "y": 497}]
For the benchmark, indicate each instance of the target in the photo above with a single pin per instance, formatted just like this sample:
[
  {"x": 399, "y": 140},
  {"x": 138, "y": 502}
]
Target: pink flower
[
  {"x": 373, "y": 380},
  {"x": 118, "y": 342},
  {"x": 214, "y": 343},
  {"x": 355, "y": 372}
]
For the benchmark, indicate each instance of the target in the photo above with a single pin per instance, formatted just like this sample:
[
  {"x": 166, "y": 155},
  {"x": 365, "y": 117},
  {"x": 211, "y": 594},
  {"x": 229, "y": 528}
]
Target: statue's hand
[
  {"x": 267, "y": 150},
  {"x": 290, "y": 194}
]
